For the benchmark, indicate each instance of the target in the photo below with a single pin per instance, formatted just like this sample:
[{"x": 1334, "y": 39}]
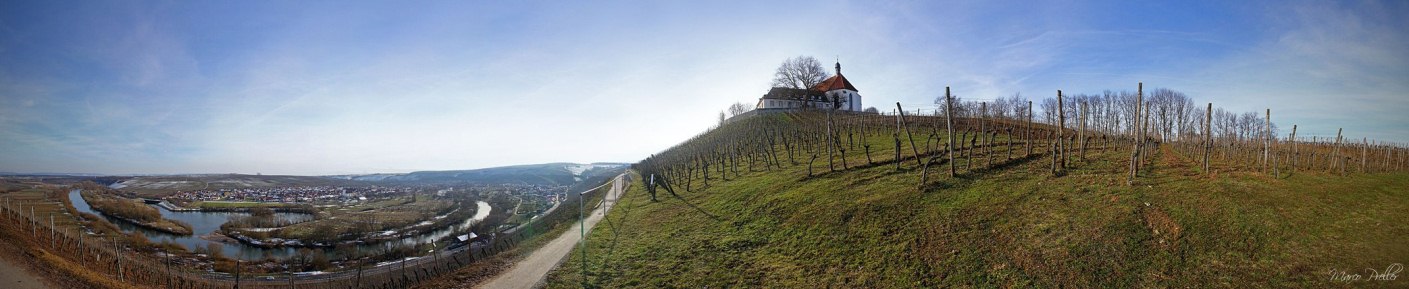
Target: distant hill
[
  {"x": 538, "y": 174},
  {"x": 553, "y": 174},
  {"x": 163, "y": 185},
  {"x": 44, "y": 174}
]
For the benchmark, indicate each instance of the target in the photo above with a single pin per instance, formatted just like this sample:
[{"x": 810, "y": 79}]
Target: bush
[
  {"x": 183, "y": 225},
  {"x": 320, "y": 262},
  {"x": 99, "y": 224},
  {"x": 216, "y": 251},
  {"x": 140, "y": 241},
  {"x": 122, "y": 208},
  {"x": 261, "y": 212}
]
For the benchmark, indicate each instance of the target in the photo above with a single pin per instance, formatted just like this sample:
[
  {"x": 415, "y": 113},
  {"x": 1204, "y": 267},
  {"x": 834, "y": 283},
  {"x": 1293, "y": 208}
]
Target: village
[{"x": 336, "y": 194}]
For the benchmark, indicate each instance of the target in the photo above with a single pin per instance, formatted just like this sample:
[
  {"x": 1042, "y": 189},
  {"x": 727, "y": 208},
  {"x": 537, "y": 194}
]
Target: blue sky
[{"x": 312, "y": 87}]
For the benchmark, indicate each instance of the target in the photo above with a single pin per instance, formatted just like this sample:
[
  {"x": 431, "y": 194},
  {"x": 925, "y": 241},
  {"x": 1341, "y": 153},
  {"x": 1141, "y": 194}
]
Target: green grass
[{"x": 1013, "y": 226}]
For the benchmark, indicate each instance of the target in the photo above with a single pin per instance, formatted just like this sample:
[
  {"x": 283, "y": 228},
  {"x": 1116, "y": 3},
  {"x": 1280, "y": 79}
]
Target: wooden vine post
[
  {"x": 983, "y": 125},
  {"x": 896, "y": 136},
  {"x": 949, "y": 123},
  {"x": 1267, "y": 138},
  {"x": 1364, "y": 152},
  {"x": 1295, "y": 153},
  {"x": 913, "y": 149},
  {"x": 1061, "y": 131},
  {"x": 1208, "y": 136},
  {"x": 830, "y": 166},
  {"x": 1028, "y": 133},
  {"x": 1388, "y": 155},
  {"x": 1336, "y": 154},
  {"x": 1138, "y": 134},
  {"x": 1082, "y": 134}
]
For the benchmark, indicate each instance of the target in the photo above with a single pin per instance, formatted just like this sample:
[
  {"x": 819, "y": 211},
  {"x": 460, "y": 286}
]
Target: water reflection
[{"x": 204, "y": 223}]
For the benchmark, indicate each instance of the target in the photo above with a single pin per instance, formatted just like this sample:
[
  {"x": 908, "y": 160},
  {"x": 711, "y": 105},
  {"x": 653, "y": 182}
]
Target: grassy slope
[{"x": 1016, "y": 225}]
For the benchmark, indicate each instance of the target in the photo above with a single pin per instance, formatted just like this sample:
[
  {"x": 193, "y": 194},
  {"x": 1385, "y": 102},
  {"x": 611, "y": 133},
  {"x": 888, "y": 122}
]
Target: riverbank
[
  {"x": 439, "y": 227},
  {"x": 174, "y": 208},
  {"x": 129, "y": 211}
]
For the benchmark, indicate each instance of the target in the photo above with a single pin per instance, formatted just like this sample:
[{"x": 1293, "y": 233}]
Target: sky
[{"x": 351, "y": 87}]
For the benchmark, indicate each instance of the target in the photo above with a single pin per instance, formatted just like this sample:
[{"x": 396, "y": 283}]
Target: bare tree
[
  {"x": 739, "y": 108},
  {"x": 952, "y": 103},
  {"x": 1018, "y": 103},
  {"x": 800, "y": 72}
]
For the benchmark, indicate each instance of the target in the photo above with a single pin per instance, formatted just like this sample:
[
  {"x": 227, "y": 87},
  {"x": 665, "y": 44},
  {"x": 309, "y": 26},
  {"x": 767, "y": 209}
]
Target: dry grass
[{"x": 1012, "y": 226}]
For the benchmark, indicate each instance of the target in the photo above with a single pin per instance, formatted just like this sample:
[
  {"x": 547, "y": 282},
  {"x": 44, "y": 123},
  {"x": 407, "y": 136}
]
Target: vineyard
[
  {"x": 975, "y": 133},
  {"x": 1113, "y": 190}
]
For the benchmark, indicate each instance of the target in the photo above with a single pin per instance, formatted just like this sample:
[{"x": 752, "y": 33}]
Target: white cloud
[{"x": 337, "y": 94}]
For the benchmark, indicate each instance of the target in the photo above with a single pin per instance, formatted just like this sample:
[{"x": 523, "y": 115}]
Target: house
[{"x": 834, "y": 93}]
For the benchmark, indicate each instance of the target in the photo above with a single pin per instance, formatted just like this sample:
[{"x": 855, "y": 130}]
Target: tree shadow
[{"x": 697, "y": 208}]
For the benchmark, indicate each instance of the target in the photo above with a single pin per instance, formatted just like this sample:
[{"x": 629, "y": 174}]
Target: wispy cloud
[{"x": 287, "y": 88}]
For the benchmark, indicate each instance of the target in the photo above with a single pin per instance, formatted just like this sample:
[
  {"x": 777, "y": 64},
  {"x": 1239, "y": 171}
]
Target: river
[{"x": 203, "y": 223}]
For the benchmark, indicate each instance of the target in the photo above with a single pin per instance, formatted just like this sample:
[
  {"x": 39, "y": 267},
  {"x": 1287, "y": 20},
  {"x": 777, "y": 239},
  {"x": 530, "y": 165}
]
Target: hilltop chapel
[{"x": 834, "y": 93}]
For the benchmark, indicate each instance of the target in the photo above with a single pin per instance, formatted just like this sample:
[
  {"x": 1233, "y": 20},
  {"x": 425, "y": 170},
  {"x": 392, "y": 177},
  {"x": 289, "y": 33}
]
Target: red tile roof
[{"x": 834, "y": 83}]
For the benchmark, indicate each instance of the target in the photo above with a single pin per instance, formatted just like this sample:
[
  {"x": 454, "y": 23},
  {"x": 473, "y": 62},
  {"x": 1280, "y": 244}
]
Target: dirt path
[
  {"x": 13, "y": 276},
  {"x": 527, "y": 273}
]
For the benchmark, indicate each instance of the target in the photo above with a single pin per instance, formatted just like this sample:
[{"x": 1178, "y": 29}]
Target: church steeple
[{"x": 838, "y": 67}]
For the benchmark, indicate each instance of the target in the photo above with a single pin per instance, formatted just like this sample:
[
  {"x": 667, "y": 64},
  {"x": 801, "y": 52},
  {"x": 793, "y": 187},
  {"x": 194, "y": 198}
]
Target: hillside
[{"x": 1008, "y": 223}]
